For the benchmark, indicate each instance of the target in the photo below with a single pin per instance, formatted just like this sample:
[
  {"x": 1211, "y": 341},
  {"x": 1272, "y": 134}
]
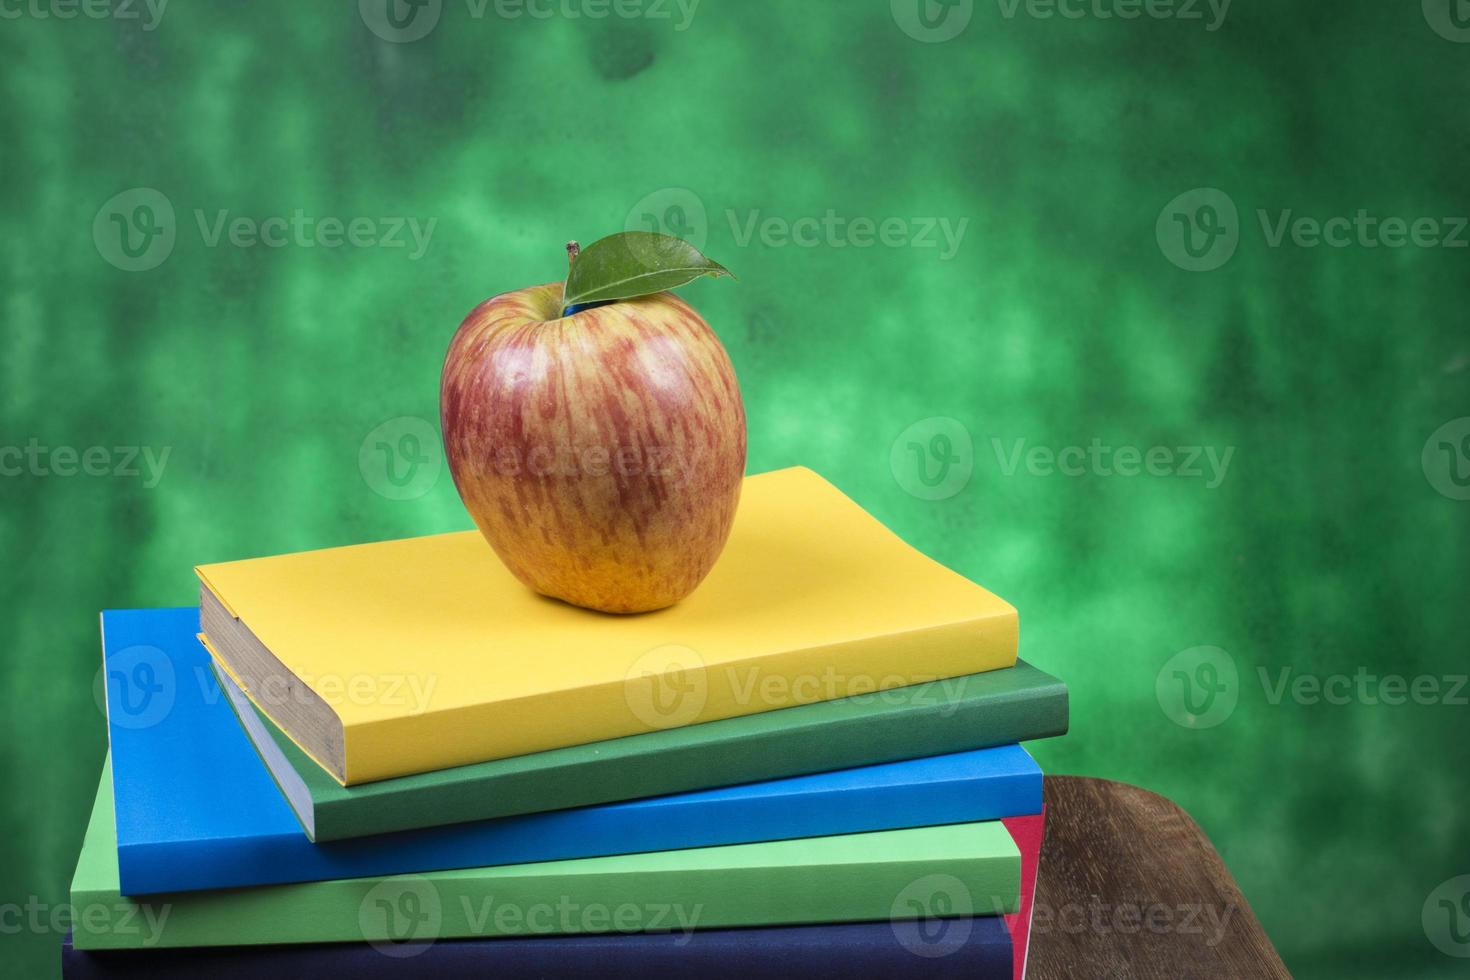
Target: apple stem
[{"x": 573, "y": 250}]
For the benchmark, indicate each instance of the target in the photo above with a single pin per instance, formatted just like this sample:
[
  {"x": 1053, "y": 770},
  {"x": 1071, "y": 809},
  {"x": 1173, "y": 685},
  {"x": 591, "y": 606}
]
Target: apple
[{"x": 600, "y": 453}]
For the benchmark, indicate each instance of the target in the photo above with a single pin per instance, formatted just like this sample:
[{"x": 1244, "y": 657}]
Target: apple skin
[{"x": 600, "y": 454}]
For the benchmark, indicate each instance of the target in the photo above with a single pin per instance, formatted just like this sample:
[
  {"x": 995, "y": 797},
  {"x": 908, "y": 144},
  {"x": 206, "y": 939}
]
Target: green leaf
[{"x": 634, "y": 263}]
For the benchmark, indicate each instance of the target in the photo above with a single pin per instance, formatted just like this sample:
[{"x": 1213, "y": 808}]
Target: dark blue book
[{"x": 971, "y": 948}]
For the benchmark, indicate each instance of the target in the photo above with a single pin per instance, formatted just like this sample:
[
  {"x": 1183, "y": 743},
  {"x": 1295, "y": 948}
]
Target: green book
[
  {"x": 975, "y": 711},
  {"x": 956, "y": 869}
]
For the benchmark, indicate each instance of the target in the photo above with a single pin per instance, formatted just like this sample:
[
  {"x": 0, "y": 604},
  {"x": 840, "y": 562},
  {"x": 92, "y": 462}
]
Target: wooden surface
[{"x": 1131, "y": 887}]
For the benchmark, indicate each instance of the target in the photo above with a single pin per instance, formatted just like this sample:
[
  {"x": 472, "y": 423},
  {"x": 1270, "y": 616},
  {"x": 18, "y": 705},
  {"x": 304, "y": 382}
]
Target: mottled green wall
[{"x": 1065, "y": 314}]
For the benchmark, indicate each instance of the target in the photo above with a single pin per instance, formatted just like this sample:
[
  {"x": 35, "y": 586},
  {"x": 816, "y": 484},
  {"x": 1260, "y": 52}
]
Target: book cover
[
  {"x": 195, "y": 809},
  {"x": 847, "y": 878},
  {"x": 409, "y": 656},
  {"x": 841, "y": 952}
]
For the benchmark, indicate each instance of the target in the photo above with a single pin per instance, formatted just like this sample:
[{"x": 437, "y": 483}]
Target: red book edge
[{"x": 1027, "y": 832}]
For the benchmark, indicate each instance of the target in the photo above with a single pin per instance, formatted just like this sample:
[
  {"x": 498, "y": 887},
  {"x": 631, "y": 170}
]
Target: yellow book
[{"x": 387, "y": 659}]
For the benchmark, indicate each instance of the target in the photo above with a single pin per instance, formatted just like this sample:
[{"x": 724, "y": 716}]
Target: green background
[{"x": 1061, "y": 318}]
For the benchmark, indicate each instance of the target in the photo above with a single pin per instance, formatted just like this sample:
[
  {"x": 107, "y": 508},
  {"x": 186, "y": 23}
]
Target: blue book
[
  {"x": 969, "y": 948},
  {"x": 197, "y": 809}
]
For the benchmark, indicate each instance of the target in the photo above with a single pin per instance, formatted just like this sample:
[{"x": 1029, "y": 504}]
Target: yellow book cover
[{"x": 410, "y": 656}]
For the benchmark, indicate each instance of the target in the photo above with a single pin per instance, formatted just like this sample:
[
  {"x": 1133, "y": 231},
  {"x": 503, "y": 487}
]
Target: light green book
[{"x": 958, "y": 869}]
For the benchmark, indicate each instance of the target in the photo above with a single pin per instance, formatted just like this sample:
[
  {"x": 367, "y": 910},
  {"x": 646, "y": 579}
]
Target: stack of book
[{"x": 393, "y": 759}]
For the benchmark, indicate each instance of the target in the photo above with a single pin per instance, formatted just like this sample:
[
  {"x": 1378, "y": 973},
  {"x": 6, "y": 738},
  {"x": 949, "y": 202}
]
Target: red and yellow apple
[{"x": 600, "y": 453}]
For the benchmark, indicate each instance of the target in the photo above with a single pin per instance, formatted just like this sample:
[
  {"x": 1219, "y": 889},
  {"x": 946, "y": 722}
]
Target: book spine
[
  {"x": 978, "y": 949},
  {"x": 507, "y": 902},
  {"x": 941, "y": 726},
  {"x": 177, "y": 866}
]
